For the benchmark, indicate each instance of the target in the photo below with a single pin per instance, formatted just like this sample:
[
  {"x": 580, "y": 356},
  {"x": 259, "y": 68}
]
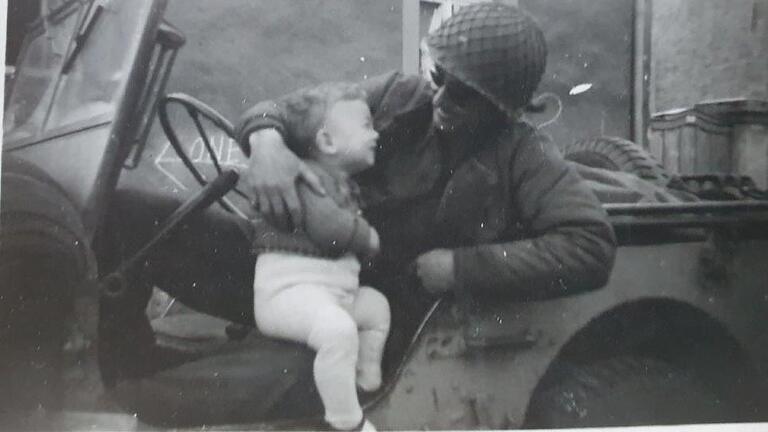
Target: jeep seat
[{"x": 255, "y": 379}]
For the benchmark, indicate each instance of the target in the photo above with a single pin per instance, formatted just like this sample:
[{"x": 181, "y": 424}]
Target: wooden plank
[
  {"x": 411, "y": 36},
  {"x": 750, "y": 152},
  {"x": 703, "y": 162},
  {"x": 640, "y": 78},
  {"x": 725, "y": 152},
  {"x": 688, "y": 149},
  {"x": 656, "y": 144},
  {"x": 716, "y": 155},
  {"x": 672, "y": 151}
]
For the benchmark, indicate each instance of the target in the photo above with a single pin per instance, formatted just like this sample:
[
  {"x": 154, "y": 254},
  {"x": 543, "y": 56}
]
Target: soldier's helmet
[{"x": 494, "y": 48}]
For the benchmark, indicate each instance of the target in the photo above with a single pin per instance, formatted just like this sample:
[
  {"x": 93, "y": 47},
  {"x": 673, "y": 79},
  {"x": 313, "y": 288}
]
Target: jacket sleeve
[
  {"x": 333, "y": 229},
  {"x": 388, "y": 94},
  {"x": 572, "y": 247}
]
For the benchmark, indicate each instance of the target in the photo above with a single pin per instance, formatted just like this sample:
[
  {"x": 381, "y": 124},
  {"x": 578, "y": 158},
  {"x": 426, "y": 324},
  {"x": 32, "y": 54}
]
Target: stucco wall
[
  {"x": 708, "y": 49},
  {"x": 240, "y": 52},
  {"x": 243, "y": 51}
]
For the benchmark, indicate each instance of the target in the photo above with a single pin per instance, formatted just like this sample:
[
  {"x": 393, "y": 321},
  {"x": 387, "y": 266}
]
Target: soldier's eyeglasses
[
  {"x": 458, "y": 92},
  {"x": 438, "y": 76}
]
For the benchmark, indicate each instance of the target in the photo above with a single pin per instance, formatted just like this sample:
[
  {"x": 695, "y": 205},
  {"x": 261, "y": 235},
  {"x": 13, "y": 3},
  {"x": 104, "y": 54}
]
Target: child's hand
[{"x": 374, "y": 242}]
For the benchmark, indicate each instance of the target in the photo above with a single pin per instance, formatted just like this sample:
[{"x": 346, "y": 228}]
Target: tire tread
[{"x": 624, "y": 154}]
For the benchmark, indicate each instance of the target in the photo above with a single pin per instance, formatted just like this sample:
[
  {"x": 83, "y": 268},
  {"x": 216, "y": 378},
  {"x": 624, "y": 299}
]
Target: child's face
[{"x": 350, "y": 129}]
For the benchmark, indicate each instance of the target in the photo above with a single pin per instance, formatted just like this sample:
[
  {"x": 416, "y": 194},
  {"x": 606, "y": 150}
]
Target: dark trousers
[{"x": 205, "y": 263}]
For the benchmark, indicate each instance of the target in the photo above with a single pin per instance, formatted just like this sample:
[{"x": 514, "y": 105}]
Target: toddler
[{"x": 306, "y": 283}]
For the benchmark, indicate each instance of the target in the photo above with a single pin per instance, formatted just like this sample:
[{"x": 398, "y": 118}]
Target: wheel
[
  {"x": 625, "y": 391},
  {"x": 617, "y": 154},
  {"x": 43, "y": 262}
]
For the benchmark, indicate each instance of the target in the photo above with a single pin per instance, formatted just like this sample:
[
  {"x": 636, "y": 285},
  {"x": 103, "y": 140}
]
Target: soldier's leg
[{"x": 204, "y": 264}]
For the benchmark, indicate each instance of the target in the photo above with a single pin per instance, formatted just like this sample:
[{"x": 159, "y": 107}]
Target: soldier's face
[{"x": 456, "y": 106}]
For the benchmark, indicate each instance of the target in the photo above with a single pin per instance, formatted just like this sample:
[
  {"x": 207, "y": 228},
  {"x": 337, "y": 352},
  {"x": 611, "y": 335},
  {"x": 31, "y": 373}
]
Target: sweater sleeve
[
  {"x": 332, "y": 228},
  {"x": 572, "y": 246}
]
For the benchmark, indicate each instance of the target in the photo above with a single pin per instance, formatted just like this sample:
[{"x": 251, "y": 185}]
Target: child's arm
[{"x": 334, "y": 229}]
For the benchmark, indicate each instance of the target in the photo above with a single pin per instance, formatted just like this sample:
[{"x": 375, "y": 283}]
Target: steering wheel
[
  {"x": 197, "y": 109},
  {"x": 114, "y": 285}
]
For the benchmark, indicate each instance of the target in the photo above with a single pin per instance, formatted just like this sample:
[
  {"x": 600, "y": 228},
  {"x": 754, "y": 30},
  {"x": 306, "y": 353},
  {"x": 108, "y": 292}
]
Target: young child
[{"x": 306, "y": 285}]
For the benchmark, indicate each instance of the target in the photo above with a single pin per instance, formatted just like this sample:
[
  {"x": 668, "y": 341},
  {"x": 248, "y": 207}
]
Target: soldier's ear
[{"x": 324, "y": 142}]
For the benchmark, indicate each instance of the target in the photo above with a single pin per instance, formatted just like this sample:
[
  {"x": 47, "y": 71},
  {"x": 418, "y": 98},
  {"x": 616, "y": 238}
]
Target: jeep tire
[
  {"x": 43, "y": 262},
  {"x": 625, "y": 391},
  {"x": 617, "y": 154}
]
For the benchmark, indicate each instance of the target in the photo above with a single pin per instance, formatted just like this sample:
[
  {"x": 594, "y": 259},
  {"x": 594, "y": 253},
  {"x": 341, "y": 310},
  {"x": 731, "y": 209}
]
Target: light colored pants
[{"x": 319, "y": 302}]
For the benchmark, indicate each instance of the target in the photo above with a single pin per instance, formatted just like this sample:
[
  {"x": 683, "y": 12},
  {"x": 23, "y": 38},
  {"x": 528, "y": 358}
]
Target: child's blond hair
[{"x": 311, "y": 106}]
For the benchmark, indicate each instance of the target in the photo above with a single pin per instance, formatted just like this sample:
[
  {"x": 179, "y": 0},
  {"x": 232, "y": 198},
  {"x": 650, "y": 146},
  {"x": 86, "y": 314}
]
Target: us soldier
[
  {"x": 477, "y": 197},
  {"x": 464, "y": 192}
]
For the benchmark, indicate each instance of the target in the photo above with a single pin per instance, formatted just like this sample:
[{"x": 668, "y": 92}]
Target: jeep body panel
[
  {"x": 479, "y": 366},
  {"x": 78, "y": 121}
]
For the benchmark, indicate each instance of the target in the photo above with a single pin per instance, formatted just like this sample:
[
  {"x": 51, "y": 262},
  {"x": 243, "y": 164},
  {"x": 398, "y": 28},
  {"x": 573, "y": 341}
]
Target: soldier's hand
[
  {"x": 435, "y": 271},
  {"x": 271, "y": 179}
]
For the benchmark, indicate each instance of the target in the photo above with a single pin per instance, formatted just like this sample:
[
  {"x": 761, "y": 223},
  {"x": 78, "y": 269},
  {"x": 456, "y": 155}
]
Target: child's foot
[
  {"x": 367, "y": 426},
  {"x": 363, "y": 426},
  {"x": 369, "y": 378}
]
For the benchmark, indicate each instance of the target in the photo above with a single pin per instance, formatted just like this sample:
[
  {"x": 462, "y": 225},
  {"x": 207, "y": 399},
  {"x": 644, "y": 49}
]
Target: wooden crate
[
  {"x": 691, "y": 142},
  {"x": 717, "y": 137}
]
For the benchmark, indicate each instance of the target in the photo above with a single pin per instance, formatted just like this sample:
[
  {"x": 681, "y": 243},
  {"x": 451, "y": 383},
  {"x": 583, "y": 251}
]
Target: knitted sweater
[{"x": 349, "y": 232}]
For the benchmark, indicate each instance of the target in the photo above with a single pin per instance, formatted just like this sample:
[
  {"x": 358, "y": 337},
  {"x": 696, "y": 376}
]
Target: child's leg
[
  {"x": 310, "y": 314},
  {"x": 371, "y": 312}
]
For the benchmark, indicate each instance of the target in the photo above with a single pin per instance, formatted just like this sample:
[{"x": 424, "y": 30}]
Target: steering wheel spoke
[
  {"x": 206, "y": 140},
  {"x": 212, "y": 192},
  {"x": 196, "y": 109},
  {"x": 113, "y": 287}
]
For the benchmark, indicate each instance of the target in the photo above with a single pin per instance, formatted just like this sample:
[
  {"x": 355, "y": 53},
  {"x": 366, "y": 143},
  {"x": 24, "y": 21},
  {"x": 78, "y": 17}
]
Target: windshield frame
[{"x": 38, "y": 29}]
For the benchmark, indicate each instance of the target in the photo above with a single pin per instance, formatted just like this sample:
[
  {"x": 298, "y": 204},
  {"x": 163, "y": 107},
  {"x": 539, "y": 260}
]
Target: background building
[{"x": 612, "y": 63}]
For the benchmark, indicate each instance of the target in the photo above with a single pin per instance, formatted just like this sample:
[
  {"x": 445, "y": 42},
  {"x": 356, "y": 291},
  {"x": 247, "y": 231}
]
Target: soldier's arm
[{"x": 572, "y": 247}]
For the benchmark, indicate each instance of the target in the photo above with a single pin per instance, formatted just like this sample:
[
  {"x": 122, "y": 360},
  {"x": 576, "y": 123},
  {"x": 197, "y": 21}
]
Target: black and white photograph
[{"x": 361, "y": 215}]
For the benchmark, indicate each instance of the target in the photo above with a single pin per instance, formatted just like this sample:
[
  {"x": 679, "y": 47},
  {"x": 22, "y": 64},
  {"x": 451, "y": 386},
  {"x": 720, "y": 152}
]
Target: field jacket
[{"x": 519, "y": 220}]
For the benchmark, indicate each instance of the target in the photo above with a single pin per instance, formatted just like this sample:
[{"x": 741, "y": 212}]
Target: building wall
[
  {"x": 708, "y": 49},
  {"x": 242, "y": 51}
]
